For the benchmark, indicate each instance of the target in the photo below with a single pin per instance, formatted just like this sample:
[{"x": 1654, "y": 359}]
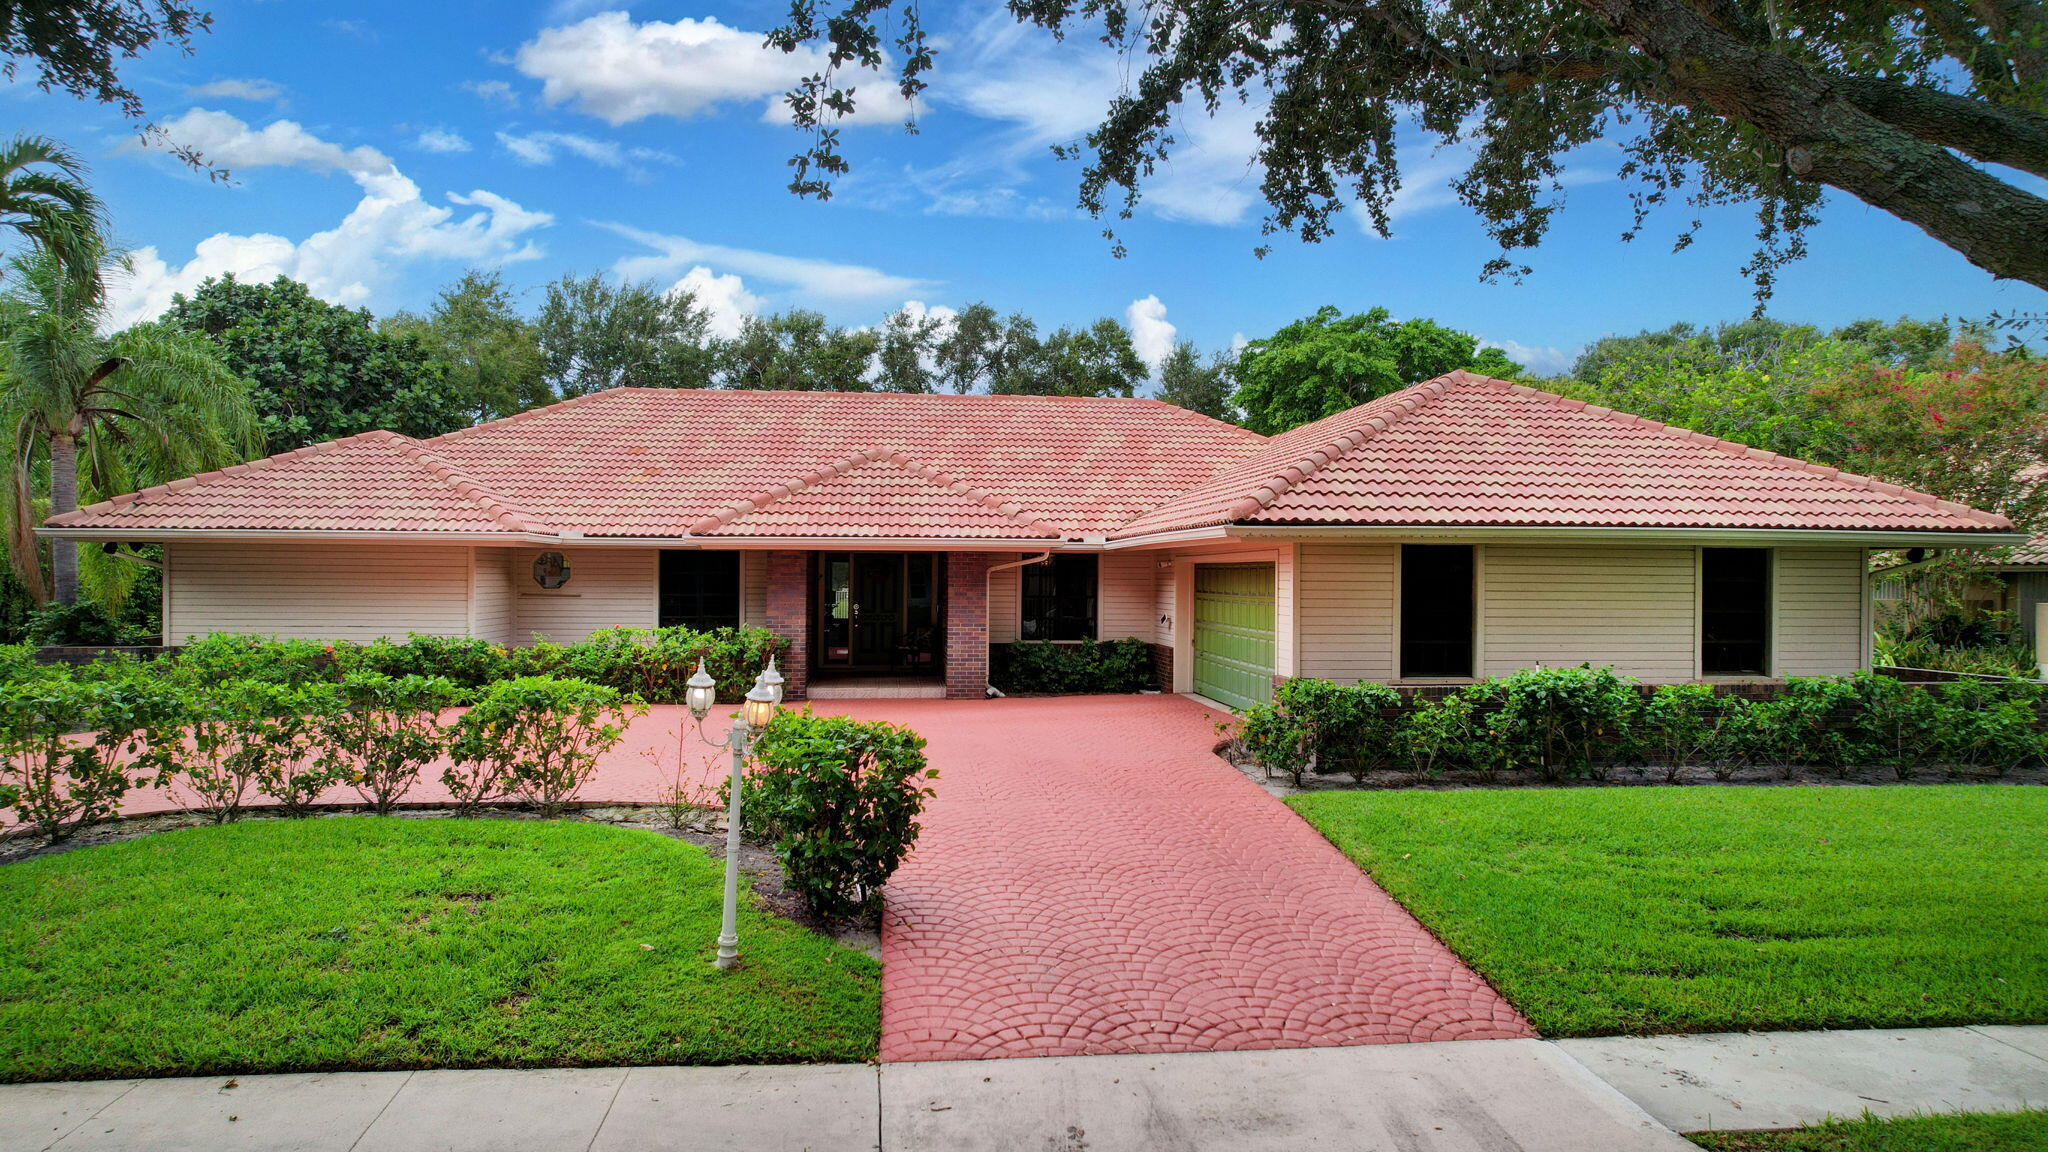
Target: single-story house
[{"x": 1461, "y": 528}]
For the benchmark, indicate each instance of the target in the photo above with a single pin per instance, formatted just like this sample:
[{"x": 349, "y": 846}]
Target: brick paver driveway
[{"x": 1091, "y": 879}]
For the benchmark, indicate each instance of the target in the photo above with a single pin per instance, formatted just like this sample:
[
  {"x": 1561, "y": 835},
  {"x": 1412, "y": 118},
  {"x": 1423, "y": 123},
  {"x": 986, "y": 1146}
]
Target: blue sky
[{"x": 379, "y": 149}]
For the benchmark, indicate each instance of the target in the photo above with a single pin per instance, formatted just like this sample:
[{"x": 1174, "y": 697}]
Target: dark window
[
  {"x": 1059, "y": 599},
  {"x": 1436, "y": 610},
  {"x": 1735, "y": 611},
  {"x": 700, "y": 590}
]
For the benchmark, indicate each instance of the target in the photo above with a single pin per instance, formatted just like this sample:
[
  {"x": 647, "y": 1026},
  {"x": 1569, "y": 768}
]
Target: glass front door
[{"x": 879, "y": 612}]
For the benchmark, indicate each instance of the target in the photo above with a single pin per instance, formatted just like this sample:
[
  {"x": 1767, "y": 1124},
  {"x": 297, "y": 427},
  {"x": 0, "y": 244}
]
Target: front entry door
[
  {"x": 877, "y": 608},
  {"x": 879, "y": 612}
]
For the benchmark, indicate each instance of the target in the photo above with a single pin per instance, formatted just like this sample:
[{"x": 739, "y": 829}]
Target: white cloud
[
  {"x": 674, "y": 254},
  {"x": 725, "y": 297},
  {"x": 620, "y": 71},
  {"x": 1151, "y": 333},
  {"x": 391, "y": 224},
  {"x": 440, "y": 140},
  {"x": 542, "y": 148},
  {"x": 252, "y": 88},
  {"x": 1050, "y": 92},
  {"x": 491, "y": 91},
  {"x": 1540, "y": 360}
]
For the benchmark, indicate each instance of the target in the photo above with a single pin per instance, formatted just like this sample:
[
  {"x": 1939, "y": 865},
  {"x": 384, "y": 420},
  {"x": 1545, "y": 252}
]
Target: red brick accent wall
[
  {"x": 966, "y": 625},
  {"x": 1162, "y": 666},
  {"x": 789, "y": 615}
]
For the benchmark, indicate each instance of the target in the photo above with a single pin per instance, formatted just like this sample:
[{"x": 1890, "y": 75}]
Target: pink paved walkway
[{"x": 1091, "y": 879}]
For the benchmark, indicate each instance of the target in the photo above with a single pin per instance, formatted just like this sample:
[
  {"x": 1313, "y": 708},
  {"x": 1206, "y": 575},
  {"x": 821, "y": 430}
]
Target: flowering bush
[
  {"x": 73, "y": 748},
  {"x": 536, "y": 738},
  {"x": 385, "y": 731},
  {"x": 248, "y": 734}
]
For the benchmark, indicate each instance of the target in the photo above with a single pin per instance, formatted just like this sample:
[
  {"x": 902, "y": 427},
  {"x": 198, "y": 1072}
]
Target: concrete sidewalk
[{"x": 1610, "y": 1095}]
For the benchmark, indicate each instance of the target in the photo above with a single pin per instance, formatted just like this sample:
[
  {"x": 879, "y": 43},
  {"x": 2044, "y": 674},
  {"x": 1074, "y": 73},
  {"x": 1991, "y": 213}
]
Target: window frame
[
  {"x": 1766, "y": 614},
  {"x": 662, "y": 593},
  {"x": 1404, "y": 634},
  {"x": 1031, "y": 624}
]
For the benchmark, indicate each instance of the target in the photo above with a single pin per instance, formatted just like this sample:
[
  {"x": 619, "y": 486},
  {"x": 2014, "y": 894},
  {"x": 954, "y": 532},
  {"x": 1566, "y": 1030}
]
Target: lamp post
[{"x": 754, "y": 716}]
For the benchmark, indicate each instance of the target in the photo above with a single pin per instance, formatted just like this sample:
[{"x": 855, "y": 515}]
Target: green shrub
[
  {"x": 655, "y": 664},
  {"x": 387, "y": 729},
  {"x": 224, "y": 656},
  {"x": 84, "y": 624},
  {"x": 536, "y": 738},
  {"x": 73, "y": 748},
  {"x": 1320, "y": 726},
  {"x": 466, "y": 661},
  {"x": 1564, "y": 721},
  {"x": 248, "y": 734},
  {"x": 1991, "y": 726},
  {"x": 839, "y": 800},
  {"x": 1680, "y": 726},
  {"x": 1087, "y": 666}
]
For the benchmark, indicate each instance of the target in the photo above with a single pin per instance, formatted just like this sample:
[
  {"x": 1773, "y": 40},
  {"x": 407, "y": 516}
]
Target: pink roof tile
[
  {"x": 636, "y": 462},
  {"x": 371, "y": 482},
  {"x": 1465, "y": 449}
]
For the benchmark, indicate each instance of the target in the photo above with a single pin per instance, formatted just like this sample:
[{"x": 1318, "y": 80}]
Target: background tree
[
  {"x": 318, "y": 370},
  {"x": 986, "y": 351},
  {"x": 797, "y": 350},
  {"x": 906, "y": 359},
  {"x": 1184, "y": 379},
  {"x": 1094, "y": 361},
  {"x": 490, "y": 352},
  {"x": 1907, "y": 107},
  {"x": 100, "y": 416},
  {"x": 597, "y": 333},
  {"x": 44, "y": 199},
  {"x": 1328, "y": 362}
]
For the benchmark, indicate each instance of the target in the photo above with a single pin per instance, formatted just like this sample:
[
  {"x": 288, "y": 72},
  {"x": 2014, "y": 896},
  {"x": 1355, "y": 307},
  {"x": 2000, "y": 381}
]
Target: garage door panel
[{"x": 1233, "y": 633}]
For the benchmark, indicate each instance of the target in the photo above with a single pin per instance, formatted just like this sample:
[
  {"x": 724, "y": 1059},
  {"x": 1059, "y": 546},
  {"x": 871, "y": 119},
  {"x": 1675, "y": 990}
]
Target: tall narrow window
[
  {"x": 699, "y": 590},
  {"x": 1436, "y": 610},
  {"x": 1735, "y": 611},
  {"x": 1059, "y": 598}
]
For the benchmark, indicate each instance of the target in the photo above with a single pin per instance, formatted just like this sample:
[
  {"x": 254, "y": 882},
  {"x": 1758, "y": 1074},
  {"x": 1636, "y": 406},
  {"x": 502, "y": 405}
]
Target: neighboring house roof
[
  {"x": 633, "y": 462},
  {"x": 2032, "y": 554}
]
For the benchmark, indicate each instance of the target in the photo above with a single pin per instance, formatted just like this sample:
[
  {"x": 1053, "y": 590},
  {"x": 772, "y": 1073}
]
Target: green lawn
[
  {"x": 2009, "y": 1132},
  {"x": 279, "y": 945},
  {"x": 1646, "y": 910}
]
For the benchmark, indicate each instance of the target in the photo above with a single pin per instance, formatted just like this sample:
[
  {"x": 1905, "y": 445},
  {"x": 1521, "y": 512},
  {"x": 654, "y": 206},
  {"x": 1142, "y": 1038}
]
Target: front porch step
[{"x": 883, "y": 689}]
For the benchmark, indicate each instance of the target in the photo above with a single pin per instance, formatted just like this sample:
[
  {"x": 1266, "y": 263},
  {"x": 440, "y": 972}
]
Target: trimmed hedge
[
  {"x": 1086, "y": 666},
  {"x": 649, "y": 663},
  {"x": 1565, "y": 723}
]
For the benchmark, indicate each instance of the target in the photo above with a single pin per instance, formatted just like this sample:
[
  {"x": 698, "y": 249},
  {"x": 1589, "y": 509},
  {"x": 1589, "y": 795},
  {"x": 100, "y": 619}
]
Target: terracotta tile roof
[
  {"x": 634, "y": 462},
  {"x": 2032, "y": 554},
  {"x": 371, "y": 482},
  {"x": 873, "y": 493}
]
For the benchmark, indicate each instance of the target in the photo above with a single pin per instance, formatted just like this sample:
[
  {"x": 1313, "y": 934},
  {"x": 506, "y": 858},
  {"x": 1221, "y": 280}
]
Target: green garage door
[{"x": 1234, "y": 633}]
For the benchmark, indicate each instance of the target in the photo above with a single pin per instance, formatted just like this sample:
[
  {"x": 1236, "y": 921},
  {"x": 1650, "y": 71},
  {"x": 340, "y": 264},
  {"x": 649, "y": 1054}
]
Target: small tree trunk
[{"x": 64, "y": 498}]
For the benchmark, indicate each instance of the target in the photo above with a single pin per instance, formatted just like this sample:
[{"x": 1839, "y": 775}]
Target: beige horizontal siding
[
  {"x": 493, "y": 607},
  {"x": 1005, "y": 606},
  {"x": 317, "y": 590},
  {"x": 608, "y": 587},
  {"x": 1163, "y": 599},
  {"x": 753, "y": 589},
  {"x": 1562, "y": 605},
  {"x": 1820, "y": 611},
  {"x": 1346, "y": 593},
  {"x": 1124, "y": 597}
]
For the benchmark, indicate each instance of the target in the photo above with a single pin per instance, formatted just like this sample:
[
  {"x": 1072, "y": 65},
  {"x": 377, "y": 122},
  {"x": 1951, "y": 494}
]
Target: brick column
[
  {"x": 789, "y": 615},
  {"x": 966, "y": 625}
]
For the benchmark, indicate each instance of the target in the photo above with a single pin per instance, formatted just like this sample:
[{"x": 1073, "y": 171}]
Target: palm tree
[
  {"x": 44, "y": 199},
  {"x": 98, "y": 414}
]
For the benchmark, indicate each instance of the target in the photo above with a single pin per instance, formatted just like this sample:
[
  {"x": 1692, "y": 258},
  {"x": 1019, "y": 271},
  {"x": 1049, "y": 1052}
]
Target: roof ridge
[
  {"x": 501, "y": 507},
  {"x": 1388, "y": 411},
  {"x": 128, "y": 500},
  {"x": 1737, "y": 448},
  {"x": 859, "y": 458},
  {"x": 535, "y": 413}
]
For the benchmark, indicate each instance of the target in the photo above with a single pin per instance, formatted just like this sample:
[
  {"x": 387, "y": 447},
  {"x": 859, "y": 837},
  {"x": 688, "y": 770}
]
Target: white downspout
[{"x": 1042, "y": 557}]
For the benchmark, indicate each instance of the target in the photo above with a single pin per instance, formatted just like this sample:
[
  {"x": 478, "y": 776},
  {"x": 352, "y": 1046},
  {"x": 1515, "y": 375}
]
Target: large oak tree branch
[
  {"x": 1993, "y": 133},
  {"x": 1826, "y": 137}
]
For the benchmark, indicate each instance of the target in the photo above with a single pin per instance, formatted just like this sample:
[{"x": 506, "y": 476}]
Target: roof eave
[
  {"x": 573, "y": 539},
  {"x": 1863, "y": 537}
]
